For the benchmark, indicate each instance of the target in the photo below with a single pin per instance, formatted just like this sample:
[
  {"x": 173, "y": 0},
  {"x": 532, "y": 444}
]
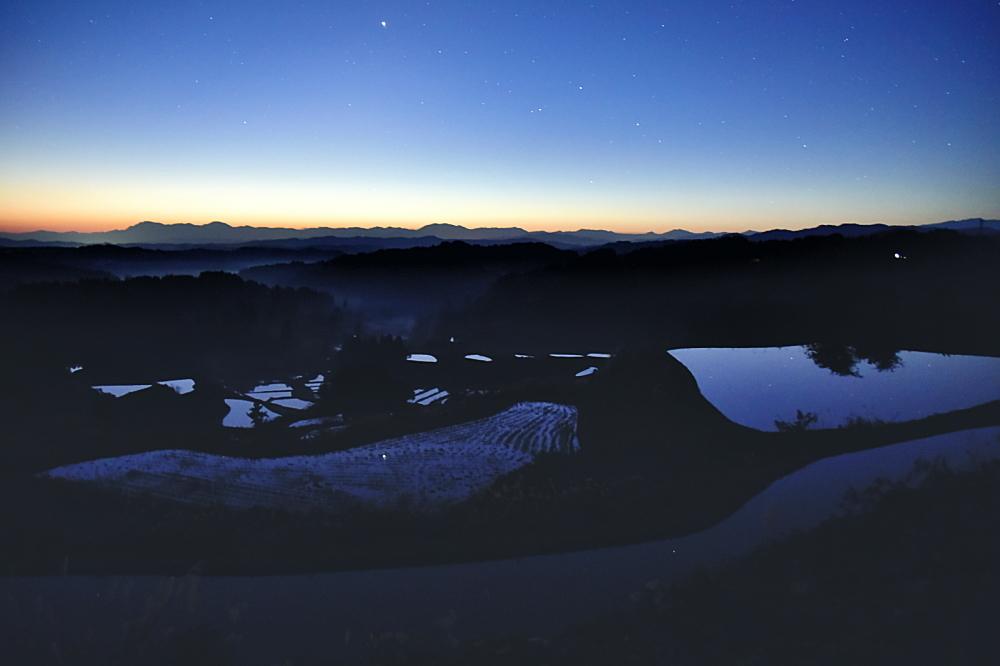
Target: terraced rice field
[
  {"x": 422, "y": 397},
  {"x": 423, "y": 471},
  {"x": 181, "y": 386}
]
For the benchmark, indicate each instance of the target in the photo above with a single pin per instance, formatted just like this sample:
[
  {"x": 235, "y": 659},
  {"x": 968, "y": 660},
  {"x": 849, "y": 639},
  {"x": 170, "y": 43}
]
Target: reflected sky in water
[{"x": 756, "y": 386}]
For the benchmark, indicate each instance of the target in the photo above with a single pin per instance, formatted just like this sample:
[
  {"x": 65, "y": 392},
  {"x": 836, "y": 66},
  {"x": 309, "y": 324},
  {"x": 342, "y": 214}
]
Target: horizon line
[{"x": 7, "y": 230}]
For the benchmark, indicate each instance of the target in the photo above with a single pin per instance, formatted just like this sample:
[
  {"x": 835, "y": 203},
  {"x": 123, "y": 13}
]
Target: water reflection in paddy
[{"x": 755, "y": 387}]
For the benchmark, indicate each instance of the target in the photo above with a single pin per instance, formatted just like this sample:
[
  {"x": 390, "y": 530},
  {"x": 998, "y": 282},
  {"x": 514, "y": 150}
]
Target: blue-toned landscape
[
  {"x": 428, "y": 469},
  {"x": 499, "y": 333}
]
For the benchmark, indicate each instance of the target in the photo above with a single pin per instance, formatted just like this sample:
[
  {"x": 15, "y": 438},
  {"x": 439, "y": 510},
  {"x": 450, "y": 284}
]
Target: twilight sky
[{"x": 631, "y": 116}]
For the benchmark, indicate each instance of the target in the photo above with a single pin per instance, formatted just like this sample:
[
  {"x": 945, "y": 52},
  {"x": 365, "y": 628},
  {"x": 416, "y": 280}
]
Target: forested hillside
[
  {"x": 402, "y": 291},
  {"x": 900, "y": 288},
  {"x": 172, "y": 326}
]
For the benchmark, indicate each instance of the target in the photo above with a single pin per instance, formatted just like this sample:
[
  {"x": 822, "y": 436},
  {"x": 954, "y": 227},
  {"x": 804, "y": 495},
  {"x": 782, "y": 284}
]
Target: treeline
[
  {"x": 898, "y": 289},
  {"x": 367, "y": 377},
  {"x": 149, "y": 328},
  {"x": 449, "y": 256},
  {"x": 27, "y": 265}
]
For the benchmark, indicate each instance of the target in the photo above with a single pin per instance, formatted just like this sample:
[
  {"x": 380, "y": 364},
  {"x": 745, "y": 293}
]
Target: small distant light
[
  {"x": 383, "y": 456},
  {"x": 897, "y": 255}
]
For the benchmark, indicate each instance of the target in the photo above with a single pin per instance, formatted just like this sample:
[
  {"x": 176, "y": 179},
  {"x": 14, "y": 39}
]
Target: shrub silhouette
[{"x": 802, "y": 421}]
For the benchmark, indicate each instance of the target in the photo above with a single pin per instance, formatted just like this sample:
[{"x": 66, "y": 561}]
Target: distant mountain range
[
  {"x": 220, "y": 233},
  {"x": 177, "y": 236}
]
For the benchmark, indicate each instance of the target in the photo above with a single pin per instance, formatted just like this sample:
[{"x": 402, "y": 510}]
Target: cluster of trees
[
  {"x": 367, "y": 378},
  {"x": 145, "y": 328},
  {"x": 842, "y": 359}
]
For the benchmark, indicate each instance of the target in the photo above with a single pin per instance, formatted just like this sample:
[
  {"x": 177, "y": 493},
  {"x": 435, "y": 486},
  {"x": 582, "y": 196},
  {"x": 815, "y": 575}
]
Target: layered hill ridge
[{"x": 219, "y": 233}]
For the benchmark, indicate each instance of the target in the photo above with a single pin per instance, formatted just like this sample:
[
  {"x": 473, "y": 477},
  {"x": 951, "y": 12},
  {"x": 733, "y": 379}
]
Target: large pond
[
  {"x": 756, "y": 387},
  {"x": 277, "y": 618}
]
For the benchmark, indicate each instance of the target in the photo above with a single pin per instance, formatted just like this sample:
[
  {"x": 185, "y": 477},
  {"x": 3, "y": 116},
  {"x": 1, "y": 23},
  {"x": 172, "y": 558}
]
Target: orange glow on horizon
[
  {"x": 83, "y": 208},
  {"x": 82, "y": 224},
  {"x": 85, "y": 225},
  {"x": 86, "y": 209},
  {"x": 81, "y": 205}
]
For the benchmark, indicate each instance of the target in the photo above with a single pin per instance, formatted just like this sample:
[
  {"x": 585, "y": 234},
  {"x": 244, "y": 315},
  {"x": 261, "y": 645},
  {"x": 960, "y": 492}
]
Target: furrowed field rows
[{"x": 421, "y": 471}]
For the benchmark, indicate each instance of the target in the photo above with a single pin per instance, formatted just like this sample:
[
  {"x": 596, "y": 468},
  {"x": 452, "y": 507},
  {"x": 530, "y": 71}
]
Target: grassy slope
[{"x": 913, "y": 581}]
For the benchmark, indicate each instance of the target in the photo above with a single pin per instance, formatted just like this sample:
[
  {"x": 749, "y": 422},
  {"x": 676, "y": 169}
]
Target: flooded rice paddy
[{"x": 757, "y": 386}]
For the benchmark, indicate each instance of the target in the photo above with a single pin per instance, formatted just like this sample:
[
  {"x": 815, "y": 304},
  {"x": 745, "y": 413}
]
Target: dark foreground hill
[{"x": 913, "y": 581}]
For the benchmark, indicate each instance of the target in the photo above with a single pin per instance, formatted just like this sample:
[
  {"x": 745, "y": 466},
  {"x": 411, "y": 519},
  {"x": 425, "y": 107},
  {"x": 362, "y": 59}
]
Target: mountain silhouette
[{"x": 219, "y": 233}]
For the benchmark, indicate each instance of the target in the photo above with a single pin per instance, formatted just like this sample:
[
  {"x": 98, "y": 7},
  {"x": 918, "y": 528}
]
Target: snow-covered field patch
[
  {"x": 478, "y": 357},
  {"x": 420, "y": 472},
  {"x": 589, "y": 371}
]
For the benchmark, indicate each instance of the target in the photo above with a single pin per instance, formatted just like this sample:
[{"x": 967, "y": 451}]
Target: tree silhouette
[
  {"x": 842, "y": 359},
  {"x": 837, "y": 358},
  {"x": 802, "y": 421},
  {"x": 258, "y": 415},
  {"x": 362, "y": 388}
]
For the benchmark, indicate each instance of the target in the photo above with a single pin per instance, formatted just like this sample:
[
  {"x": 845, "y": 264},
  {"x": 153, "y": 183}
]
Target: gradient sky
[{"x": 631, "y": 116}]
